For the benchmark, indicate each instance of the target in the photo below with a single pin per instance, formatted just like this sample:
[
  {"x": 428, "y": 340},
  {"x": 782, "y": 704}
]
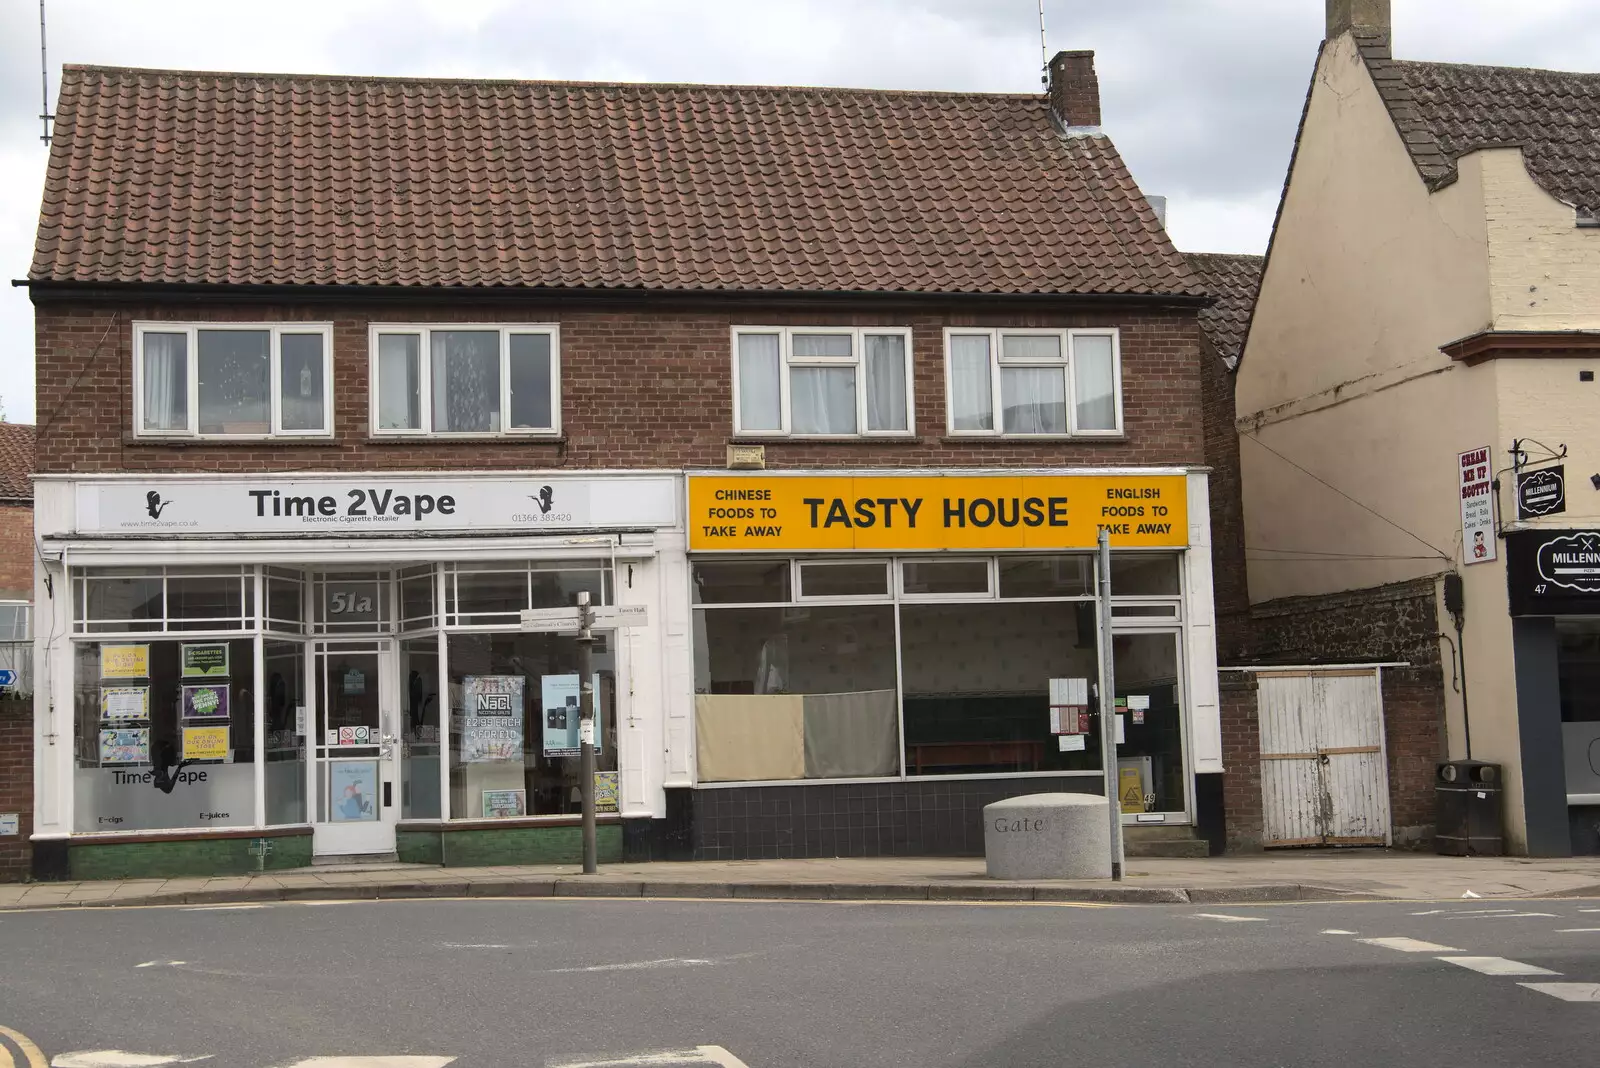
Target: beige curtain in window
[
  {"x": 850, "y": 735},
  {"x": 750, "y": 738}
]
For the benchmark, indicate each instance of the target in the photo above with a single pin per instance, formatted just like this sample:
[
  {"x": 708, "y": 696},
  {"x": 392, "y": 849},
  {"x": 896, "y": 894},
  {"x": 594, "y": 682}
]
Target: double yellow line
[{"x": 35, "y": 1055}]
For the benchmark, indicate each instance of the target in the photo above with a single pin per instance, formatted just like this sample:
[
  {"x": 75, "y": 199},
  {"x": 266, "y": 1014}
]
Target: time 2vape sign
[
  {"x": 1477, "y": 505},
  {"x": 376, "y": 503}
]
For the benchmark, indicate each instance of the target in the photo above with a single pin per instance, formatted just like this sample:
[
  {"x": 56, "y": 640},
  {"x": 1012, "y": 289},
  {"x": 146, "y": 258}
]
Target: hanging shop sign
[
  {"x": 391, "y": 504},
  {"x": 1553, "y": 572},
  {"x": 930, "y": 512},
  {"x": 1477, "y": 505},
  {"x": 1542, "y": 492}
]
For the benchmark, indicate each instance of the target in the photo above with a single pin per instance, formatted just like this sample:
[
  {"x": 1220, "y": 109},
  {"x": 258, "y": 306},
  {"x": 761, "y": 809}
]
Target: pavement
[
  {"x": 630, "y": 983},
  {"x": 1279, "y": 876}
]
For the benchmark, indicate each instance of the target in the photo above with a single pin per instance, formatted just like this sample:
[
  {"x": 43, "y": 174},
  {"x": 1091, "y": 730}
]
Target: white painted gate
[{"x": 1324, "y": 773}]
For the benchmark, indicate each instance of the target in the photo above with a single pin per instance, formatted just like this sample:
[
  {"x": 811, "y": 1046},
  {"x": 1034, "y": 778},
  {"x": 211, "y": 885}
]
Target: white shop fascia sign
[{"x": 374, "y": 504}]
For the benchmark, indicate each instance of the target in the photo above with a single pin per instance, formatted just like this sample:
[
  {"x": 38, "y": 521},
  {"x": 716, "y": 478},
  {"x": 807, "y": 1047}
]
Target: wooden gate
[{"x": 1324, "y": 775}]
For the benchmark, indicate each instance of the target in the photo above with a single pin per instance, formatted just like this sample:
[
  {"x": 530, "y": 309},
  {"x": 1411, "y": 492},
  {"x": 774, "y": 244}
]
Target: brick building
[
  {"x": 821, "y": 394},
  {"x": 16, "y": 646}
]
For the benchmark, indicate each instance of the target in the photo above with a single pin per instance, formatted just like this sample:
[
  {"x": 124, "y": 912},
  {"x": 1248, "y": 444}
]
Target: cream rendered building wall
[
  {"x": 1368, "y": 275},
  {"x": 1544, "y": 270}
]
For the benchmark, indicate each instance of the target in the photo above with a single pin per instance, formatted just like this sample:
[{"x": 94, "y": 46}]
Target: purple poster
[{"x": 205, "y": 702}]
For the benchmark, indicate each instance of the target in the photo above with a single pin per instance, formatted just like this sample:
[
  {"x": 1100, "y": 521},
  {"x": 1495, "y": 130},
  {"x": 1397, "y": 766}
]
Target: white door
[
  {"x": 355, "y": 775},
  {"x": 1324, "y": 780}
]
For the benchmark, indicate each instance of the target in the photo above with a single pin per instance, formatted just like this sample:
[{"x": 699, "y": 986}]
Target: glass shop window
[
  {"x": 804, "y": 692},
  {"x": 977, "y": 686},
  {"x": 1578, "y": 671},
  {"x": 165, "y": 735},
  {"x": 514, "y": 722}
]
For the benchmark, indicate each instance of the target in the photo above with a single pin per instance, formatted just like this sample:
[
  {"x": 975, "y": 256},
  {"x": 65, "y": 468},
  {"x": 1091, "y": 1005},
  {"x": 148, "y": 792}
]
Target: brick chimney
[
  {"x": 1075, "y": 90},
  {"x": 1360, "y": 16}
]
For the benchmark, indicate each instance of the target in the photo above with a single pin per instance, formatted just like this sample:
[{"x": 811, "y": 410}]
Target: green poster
[{"x": 205, "y": 660}]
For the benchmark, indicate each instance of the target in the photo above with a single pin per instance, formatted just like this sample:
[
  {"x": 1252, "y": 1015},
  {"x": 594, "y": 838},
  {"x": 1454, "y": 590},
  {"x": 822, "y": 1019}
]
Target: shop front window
[
  {"x": 419, "y": 758},
  {"x": 514, "y": 725},
  {"x": 165, "y": 734},
  {"x": 1578, "y": 668},
  {"x": 977, "y": 686},
  {"x": 1150, "y": 768},
  {"x": 494, "y": 594},
  {"x": 804, "y": 692},
  {"x": 285, "y": 711}
]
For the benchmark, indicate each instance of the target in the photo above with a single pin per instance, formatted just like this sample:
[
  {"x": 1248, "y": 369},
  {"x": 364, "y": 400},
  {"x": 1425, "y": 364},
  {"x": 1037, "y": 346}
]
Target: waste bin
[{"x": 1468, "y": 815}]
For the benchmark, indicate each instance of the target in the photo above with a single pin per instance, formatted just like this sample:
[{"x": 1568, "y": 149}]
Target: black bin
[{"x": 1470, "y": 821}]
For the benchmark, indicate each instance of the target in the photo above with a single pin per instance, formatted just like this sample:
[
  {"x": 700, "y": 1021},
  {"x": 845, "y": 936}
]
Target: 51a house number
[{"x": 345, "y": 604}]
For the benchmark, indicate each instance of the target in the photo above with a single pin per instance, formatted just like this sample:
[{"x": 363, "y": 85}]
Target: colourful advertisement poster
[
  {"x": 499, "y": 803},
  {"x": 125, "y": 746},
  {"x": 352, "y": 791},
  {"x": 605, "y": 791},
  {"x": 121, "y": 703},
  {"x": 205, "y": 743},
  {"x": 205, "y": 702},
  {"x": 491, "y": 718},
  {"x": 206, "y": 660},
  {"x": 124, "y": 661},
  {"x": 562, "y": 717}
]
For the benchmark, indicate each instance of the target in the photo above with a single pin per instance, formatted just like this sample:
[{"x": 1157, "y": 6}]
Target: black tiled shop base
[{"x": 929, "y": 818}]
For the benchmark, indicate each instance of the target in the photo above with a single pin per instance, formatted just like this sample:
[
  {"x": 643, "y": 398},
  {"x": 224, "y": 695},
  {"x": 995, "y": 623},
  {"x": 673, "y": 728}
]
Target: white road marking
[
  {"x": 116, "y": 1058},
  {"x": 1228, "y": 919},
  {"x": 1567, "y": 991},
  {"x": 220, "y": 908},
  {"x": 1469, "y": 893},
  {"x": 638, "y": 965},
  {"x": 474, "y": 945},
  {"x": 1577, "y": 930},
  {"x": 1589, "y": 910},
  {"x": 1335, "y": 930},
  {"x": 1513, "y": 915},
  {"x": 699, "y": 1055},
  {"x": 161, "y": 964},
  {"x": 1498, "y": 966},
  {"x": 1409, "y": 945},
  {"x": 372, "y": 1062}
]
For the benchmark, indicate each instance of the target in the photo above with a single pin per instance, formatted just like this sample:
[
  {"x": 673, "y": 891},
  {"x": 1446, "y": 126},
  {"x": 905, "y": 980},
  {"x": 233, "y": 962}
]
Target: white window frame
[
  {"x": 425, "y": 401},
  {"x": 989, "y": 593},
  {"x": 996, "y": 361},
  {"x": 274, "y": 385},
  {"x": 797, "y": 580},
  {"x": 857, "y": 359}
]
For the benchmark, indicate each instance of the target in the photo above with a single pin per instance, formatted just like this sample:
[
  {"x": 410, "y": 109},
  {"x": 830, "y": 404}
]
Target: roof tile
[
  {"x": 1233, "y": 281},
  {"x": 172, "y": 177},
  {"x": 16, "y": 460}
]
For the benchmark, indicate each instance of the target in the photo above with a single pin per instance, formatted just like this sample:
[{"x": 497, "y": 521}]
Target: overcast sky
[{"x": 1201, "y": 96}]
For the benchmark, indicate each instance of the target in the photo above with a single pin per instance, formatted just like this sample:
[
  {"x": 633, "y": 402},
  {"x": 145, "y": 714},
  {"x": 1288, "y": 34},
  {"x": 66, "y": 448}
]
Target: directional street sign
[{"x": 7, "y": 678}]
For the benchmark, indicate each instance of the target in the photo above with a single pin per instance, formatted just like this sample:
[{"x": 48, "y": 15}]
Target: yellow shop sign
[{"x": 911, "y": 513}]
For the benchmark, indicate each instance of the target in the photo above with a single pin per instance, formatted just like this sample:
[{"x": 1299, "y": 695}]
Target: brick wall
[
  {"x": 642, "y": 386},
  {"x": 16, "y": 785},
  {"x": 1397, "y": 622},
  {"x": 1241, "y": 761},
  {"x": 16, "y": 552},
  {"x": 1231, "y": 590},
  {"x": 1413, "y": 727}
]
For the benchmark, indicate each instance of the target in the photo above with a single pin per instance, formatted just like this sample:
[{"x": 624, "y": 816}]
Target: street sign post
[
  {"x": 586, "y": 696},
  {"x": 1108, "y": 707},
  {"x": 7, "y": 678}
]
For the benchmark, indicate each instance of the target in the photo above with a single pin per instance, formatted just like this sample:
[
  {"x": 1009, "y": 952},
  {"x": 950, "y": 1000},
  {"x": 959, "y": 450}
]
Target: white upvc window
[
  {"x": 1033, "y": 383},
  {"x": 822, "y": 381},
  {"x": 465, "y": 379},
  {"x": 232, "y": 379}
]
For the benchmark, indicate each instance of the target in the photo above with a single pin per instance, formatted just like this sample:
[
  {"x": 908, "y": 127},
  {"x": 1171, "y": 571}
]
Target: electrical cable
[{"x": 1318, "y": 478}]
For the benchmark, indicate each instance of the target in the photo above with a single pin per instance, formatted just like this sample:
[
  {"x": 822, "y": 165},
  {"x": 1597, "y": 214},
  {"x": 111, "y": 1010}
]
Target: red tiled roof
[
  {"x": 1446, "y": 110},
  {"x": 1233, "y": 282},
  {"x": 16, "y": 460},
  {"x": 170, "y": 177}
]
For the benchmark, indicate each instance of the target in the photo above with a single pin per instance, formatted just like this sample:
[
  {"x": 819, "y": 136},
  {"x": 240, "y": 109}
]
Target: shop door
[
  {"x": 1152, "y": 757},
  {"x": 1323, "y": 777},
  {"x": 355, "y": 780}
]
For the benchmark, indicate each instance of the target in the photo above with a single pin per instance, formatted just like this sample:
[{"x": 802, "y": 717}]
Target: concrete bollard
[{"x": 1048, "y": 836}]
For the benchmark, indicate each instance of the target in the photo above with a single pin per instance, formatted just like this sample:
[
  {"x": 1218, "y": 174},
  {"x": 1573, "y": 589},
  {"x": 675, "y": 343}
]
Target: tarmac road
[{"x": 545, "y": 982}]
